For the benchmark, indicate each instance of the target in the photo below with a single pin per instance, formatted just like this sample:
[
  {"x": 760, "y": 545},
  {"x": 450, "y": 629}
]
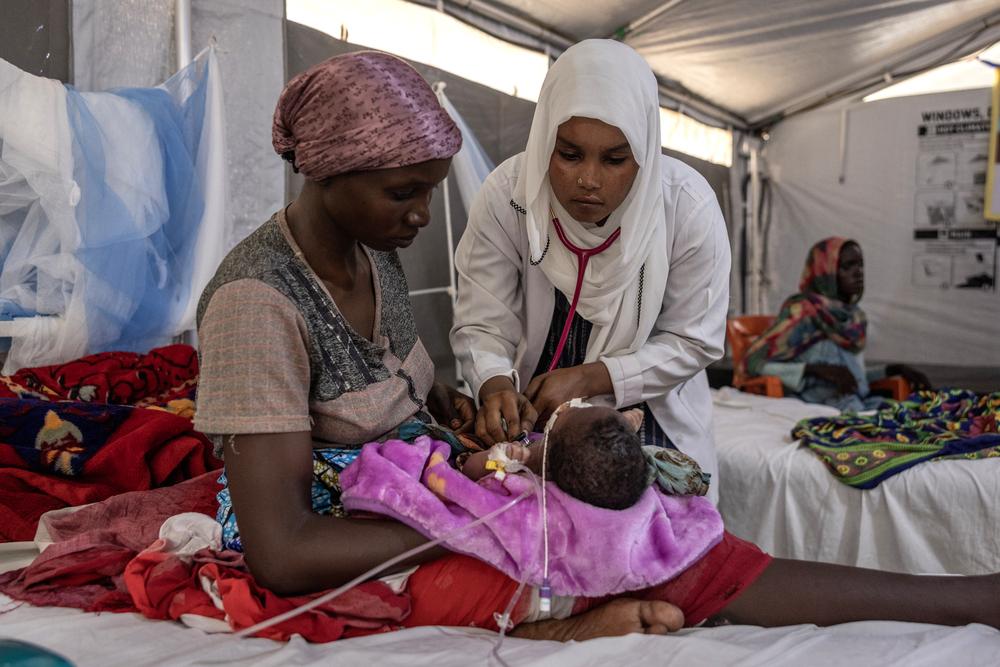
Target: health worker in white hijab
[{"x": 652, "y": 304}]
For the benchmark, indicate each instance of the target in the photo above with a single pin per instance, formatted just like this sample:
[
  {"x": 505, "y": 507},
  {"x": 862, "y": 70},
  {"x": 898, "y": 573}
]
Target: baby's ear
[{"x": 634, "y": 417}]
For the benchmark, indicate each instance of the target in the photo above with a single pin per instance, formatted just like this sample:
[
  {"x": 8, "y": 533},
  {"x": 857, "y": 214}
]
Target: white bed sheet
[
  {"x": 110, "y": 640},
  {"x": 933, "y": 518},
  {"x": 937, "y": 517}
]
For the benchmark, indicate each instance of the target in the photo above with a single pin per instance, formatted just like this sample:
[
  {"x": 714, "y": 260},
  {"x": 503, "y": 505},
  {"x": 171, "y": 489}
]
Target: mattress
[
  {"x": 109, "y": 640},
  {"x": 939, "y": 517}
]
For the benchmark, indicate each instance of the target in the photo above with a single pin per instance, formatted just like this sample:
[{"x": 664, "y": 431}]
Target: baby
[{"x": 594, "y": 455}]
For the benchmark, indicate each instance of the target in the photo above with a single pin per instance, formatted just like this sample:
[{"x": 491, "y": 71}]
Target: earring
[{"x": 579, "y": 181}]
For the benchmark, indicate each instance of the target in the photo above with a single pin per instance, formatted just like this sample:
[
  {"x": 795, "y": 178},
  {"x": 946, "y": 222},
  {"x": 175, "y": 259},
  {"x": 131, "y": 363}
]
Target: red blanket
[
  {"x": 63, "y": 443},
  {"x": 157, "y": 378},
  {"x": 100, "y": 562}
]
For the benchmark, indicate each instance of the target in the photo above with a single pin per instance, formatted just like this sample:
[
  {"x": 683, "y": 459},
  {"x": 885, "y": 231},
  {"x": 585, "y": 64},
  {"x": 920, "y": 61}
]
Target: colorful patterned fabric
[
  {"x": 328, "y": 463},
  {"x": 325, "y": 492},
  {"x": 816, "y": 313},
  {"x": 59, "y": 454},
  {"x": 861, "y": 451},
  {"x": 361, "y": 111},
  {"x": 78, "y": 432},
  {"x": 58, "y": 438},
  {"x": 164, "y": 378}
]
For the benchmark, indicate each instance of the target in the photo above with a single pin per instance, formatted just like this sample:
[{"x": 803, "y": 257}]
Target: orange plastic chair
[{"x": 741, "y": 332}]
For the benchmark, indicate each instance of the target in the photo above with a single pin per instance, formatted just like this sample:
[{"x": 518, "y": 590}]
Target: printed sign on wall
[{"x": 955, "y": 244}]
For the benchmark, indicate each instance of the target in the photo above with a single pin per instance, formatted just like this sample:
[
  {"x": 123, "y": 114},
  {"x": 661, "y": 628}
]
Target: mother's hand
[
  {"x": 451, "y": 408},
  {"x": 550, "y": 390},
  {"x": 500, "y": 404}
]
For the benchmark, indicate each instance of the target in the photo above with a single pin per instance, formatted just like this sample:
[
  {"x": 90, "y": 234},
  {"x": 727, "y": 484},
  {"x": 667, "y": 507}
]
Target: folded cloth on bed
[
  {"x": 58, "y": 454},
  {"x": 863, "y": 450},
  {"x": 116, "y": 555},
  {"x": 165, "y": 377},
  {"x": 185, "y": 575},
  {"x": 83, "y": 567},
  {"x": 592, "y": 551}
]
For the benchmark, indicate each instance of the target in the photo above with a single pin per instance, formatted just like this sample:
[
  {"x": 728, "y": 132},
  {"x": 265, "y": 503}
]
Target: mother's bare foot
[{"x": 618, "y": 617}]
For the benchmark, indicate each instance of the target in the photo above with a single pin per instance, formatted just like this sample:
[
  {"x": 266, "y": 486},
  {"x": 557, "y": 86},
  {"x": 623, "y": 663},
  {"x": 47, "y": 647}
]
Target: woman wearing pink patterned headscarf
[
  {"x": 361, "y": 112},
  {"x": 308, "y": 344}
]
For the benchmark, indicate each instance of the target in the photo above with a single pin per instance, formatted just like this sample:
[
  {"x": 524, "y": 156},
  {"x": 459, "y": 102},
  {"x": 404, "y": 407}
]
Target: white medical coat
[{"x": 504, "y": 307}]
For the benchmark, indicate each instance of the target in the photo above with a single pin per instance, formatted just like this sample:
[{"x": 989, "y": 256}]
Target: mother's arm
[{"x": 289, "y": 548}]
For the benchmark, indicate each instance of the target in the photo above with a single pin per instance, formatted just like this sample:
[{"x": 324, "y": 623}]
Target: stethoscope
[{"x": 583, "y": 256}]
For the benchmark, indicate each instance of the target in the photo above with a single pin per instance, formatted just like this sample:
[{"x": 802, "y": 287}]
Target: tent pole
[
  {"x": 182, "y": 32},
  {"x": 449, "y": 237},
  {"x": 647, "y": 18},
  {"x": 753, "y": 235}
]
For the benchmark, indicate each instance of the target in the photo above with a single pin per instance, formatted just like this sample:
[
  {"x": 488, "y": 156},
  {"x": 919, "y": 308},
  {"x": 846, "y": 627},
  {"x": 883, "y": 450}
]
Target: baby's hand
[
  {"x": 475, "y": 465},
  {"x": 515, "y": 451}
]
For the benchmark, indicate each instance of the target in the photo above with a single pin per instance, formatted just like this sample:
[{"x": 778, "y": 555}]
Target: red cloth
[
  {"x": 95, "y": 564},
  {"x": 151, "y": 448},
  {"x": 462, "y": 591},
  {"x": 705, "y": 588},
  {"x": 165, "y": 587},
  {"x": 123, "y": 378},
  {"x": 84, "y": 568}
]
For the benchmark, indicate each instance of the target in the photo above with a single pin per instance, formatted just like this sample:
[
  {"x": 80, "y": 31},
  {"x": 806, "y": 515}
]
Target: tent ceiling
[{"x": 753, "y": 60}]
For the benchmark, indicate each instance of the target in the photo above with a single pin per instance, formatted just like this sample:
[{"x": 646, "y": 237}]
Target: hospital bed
[
  {"x": 110, "y": 640},
  {"x": 937, "y": 517}
]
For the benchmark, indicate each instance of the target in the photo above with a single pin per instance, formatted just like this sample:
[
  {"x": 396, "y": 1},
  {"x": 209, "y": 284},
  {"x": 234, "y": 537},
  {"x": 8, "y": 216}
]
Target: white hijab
[{"x": 607, "y": 81}]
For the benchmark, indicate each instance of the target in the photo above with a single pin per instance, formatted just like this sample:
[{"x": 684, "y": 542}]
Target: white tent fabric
[
  {"x": 748, "y": 61},
  {"x": 880, "y": 203}
]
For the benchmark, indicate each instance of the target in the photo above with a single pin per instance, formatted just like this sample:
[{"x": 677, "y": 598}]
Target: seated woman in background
[{"x": 816, "y": 344}]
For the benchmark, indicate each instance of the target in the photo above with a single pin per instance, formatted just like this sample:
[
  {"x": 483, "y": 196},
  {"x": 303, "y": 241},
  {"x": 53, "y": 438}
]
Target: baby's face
[{"x": 583, "y": 419}]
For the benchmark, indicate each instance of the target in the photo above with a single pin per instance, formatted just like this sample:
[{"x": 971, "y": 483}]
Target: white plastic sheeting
[
  {"x": 877, "y": 204},
  {"x": 113, "y": 211},
  {"x": 471, "y": 165}
]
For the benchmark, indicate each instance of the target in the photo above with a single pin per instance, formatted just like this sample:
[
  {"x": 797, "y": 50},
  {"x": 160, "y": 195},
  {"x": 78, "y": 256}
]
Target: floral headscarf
[{"x": 816, "y": 313}]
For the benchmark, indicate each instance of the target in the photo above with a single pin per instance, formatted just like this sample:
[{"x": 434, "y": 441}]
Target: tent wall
[
  {"x": 128, "y": 43},
  {"x": 34, "y": 36},
  {"x": 882, "y": 192}
]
